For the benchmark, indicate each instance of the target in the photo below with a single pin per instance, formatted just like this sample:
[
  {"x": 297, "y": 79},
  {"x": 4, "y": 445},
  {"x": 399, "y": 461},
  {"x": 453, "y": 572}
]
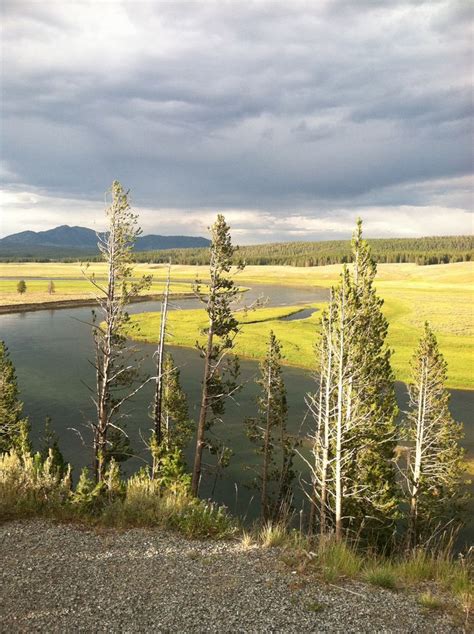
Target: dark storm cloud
[{"x": 275, "y": 106}]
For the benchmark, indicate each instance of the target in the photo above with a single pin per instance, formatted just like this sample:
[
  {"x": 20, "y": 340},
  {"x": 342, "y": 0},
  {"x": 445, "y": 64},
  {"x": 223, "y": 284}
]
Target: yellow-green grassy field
[
  {"x": 442, "y": 294},
  {"x": 69, "y": 283}
]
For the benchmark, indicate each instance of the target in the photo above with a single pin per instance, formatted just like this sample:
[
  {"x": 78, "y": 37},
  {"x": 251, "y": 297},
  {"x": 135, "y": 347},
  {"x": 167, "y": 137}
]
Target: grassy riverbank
[{"x": 443, "y": 294}]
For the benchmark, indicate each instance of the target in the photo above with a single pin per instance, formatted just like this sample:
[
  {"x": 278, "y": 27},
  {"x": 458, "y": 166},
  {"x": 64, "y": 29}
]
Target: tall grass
[{"x": 30, "y": 486}]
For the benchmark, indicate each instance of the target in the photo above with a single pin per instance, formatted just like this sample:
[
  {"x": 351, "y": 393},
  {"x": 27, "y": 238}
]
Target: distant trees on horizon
[{"x": 422, "y": 251}]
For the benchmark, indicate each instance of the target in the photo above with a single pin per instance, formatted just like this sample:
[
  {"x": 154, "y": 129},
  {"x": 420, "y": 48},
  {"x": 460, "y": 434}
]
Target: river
[{"x": 51, "y": 351}]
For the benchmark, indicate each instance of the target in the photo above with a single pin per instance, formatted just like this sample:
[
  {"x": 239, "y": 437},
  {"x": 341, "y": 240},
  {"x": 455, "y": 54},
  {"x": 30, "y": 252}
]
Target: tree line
[
  {"x": 422, "y": 251},
  {"x": 366, "y": 477}
]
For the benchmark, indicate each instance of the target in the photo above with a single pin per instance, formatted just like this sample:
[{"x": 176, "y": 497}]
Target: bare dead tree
[{"x": 160, "y": 357}]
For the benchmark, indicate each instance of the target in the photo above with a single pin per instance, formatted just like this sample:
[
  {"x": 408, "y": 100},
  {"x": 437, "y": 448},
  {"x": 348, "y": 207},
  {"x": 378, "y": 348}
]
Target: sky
[{"x": 291, "y": 118}]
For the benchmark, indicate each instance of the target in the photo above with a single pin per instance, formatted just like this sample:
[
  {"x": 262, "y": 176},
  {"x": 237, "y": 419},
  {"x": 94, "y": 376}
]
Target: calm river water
[{"x": 51, "y": 349}]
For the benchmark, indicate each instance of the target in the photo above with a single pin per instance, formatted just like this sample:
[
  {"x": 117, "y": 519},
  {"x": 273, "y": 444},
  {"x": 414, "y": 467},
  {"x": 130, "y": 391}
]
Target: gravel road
[{"x": 61, "y": 578}]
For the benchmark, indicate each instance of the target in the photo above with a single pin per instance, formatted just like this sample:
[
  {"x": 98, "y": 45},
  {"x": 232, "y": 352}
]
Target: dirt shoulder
[{"x": 62, "y": 578}]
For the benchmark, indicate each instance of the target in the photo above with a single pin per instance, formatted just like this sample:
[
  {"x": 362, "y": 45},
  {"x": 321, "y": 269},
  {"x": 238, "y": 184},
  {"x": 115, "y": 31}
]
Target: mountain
[{"x": 76, "y": 241}]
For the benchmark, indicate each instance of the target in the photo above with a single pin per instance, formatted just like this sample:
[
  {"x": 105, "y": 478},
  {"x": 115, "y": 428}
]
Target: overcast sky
[{"x": 292, "y": 118}]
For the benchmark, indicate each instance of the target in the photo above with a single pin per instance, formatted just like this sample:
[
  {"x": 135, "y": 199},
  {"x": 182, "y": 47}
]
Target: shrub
[
  {"x": 171, "y": 473},
  {"x": 31, "y": 485},
  {"x": 147, "y": 503}
]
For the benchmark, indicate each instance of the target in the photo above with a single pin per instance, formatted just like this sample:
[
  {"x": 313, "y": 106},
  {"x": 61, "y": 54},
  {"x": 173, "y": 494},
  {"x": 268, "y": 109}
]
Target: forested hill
[
  {"x": 77, "y": 242},
  {"x": 430, "y": 250}
]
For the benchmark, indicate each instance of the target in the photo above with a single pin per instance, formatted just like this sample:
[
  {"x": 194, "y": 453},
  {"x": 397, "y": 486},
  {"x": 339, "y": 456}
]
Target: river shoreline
[{"x": 8, "y": 309}]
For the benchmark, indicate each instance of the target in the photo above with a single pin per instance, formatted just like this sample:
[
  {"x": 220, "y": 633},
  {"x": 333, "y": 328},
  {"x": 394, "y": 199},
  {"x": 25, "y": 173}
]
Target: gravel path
[{"x": 66, "y": 579}]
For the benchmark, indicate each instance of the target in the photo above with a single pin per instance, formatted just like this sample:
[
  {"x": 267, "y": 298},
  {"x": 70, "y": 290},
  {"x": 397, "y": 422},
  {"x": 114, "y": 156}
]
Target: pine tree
[
  {"x": 50, "y": 449},
  {"x": 269, "y": 432},
  {"x": 353, "y": 473},
  {"x": 177, "y": 428},
  {"x": 220, "y": 370},
  {"x": 118, "y": 448},
  {"x": 434, "y": 474},
  {"x": 371, "y": 401},
  {"x": 13, "y": 426},
  {"x": 116, "y": 363}
]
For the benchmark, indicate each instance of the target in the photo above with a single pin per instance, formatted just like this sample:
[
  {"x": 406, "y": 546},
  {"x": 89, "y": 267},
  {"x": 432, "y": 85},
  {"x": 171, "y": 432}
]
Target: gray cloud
[{"x": 281, "y": 107}]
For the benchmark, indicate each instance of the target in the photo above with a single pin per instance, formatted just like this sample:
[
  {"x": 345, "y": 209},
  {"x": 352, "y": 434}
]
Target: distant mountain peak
[{"x": 84, "y": 240}]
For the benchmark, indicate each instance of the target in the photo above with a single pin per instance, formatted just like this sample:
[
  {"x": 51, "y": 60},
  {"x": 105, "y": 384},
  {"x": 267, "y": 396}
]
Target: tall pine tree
[
  {"x": 371, "y": 401},
  {"x": 116, "y": 364},
  {"x": 353, "y": 472},
  {"x": 220, "y": 369},
  {"x": 434, "y": 474},
  {"x": 13, "y": 426},
  {"x": 269, "y": 432}
]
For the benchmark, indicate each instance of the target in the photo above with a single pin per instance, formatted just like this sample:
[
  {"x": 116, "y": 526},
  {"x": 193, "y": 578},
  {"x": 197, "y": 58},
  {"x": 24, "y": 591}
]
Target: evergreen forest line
[{"x": 423, "y": 251}]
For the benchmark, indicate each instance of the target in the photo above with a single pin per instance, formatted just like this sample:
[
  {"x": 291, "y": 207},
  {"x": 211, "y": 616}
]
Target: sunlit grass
[
  {"x": 272, "y": 534},
  {"x": 442, "y": 294},
  {"x": 299, "y": 336}
]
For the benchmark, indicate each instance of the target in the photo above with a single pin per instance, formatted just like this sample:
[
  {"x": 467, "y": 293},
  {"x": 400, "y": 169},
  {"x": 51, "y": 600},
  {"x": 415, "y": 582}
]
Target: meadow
[
  {"x": 69, "y": 283},
  {"x": 442, "y": 294}
]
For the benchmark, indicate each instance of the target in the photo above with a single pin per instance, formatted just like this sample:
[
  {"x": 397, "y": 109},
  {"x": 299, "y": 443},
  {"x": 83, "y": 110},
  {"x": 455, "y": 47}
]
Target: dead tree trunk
[
  {"x": 419, "y": 443},
  {"x": 160, "y": 355},
  {"x": 339, "y": 431},
  {"x": 326, "y": 424}
]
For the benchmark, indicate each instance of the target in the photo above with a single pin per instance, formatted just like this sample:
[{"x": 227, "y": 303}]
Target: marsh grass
[{"x": 411, "y": 294}]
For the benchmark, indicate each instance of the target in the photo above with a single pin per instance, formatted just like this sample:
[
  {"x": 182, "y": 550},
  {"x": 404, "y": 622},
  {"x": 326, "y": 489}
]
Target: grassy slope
[{"x": 443, "y": 294}]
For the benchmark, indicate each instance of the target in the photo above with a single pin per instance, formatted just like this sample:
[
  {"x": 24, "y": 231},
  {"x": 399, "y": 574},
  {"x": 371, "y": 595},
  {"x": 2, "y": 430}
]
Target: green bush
[{"x": 30, "y": 485}]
